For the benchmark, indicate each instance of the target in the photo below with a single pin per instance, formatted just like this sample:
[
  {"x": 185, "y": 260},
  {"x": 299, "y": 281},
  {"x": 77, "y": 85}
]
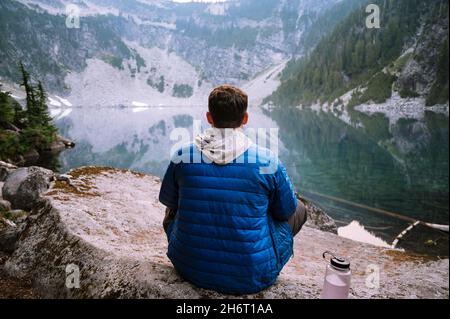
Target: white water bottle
[{"x": 337, "y": 278}]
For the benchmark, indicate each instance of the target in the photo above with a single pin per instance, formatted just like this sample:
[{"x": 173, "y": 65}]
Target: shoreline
[
  {"x": 34, "y": 157},
  {"x": 107, "y": 245},
  {"x": 364, "y": 234}
]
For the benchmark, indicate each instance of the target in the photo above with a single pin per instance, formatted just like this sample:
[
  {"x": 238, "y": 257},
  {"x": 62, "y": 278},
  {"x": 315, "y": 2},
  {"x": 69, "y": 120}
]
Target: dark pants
[
  {"x": 296, "y": 221},
  {"x": 299, "y": 218}
]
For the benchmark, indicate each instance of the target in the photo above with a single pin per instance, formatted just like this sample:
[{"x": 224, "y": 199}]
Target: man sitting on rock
[{"x": 230, "y": 221}]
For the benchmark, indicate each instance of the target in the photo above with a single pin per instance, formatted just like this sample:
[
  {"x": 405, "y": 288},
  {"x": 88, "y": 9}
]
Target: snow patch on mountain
[
  {"x": 156, "y": 83},
  {"x": 264, "y": 84},
  {"x": 54, "y": 102},
  {"x": 64, "y": 101}
]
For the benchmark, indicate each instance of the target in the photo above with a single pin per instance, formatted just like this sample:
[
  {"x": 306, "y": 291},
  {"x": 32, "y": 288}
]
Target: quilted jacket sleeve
[
  {"x": 168, "y": 194},
  {"x": 283, "y": 202}
]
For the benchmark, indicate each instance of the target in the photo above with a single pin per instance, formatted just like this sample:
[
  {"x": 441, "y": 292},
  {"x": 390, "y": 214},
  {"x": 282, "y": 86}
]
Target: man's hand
[{"x": 170, "y": 216}]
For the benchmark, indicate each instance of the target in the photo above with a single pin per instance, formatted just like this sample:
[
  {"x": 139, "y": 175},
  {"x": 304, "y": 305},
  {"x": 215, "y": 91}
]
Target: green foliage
[
  {"x": 6, "y": 110},
  {"x": 160, "y": 86},
  {"x": 400, "y": 63},
  {"x": 9, "y": 145},
  {"x": 17, "y": 215},
  {"x": 23, "y": 130},
  {"x": 29, "y": 35},
  {"x": 408, "y": 93},
  {"x": 378, "y": 90},
  {"x": 183, "y": 120},
  {"x": 289, "y": 19},
  {"x": 104, "y": 30},
  {"x": 140, "y": 62},
  {"x": 182, "y": 90},
  {"x": 352, "y": 54},
  {"x": 439, "y": 91},
  {"x": 329, "y": 20},
  {"x": 241, "y": 38},
  {"x": 255, "y": 10},
  {"x": 115, "y": 62},
  {"x": 37, "y": 136}
]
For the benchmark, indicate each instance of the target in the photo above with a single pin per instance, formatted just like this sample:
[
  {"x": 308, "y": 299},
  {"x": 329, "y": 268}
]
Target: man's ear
[
  {"x": 245, "y": 120},
  {"x": 210, "y": 118}
]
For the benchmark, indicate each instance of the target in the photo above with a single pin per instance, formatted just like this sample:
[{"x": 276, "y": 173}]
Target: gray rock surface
[
  {"x": 12, "y": 223},
  {"x": 107, "y": 223},
  {"x": 59, "y": 145},
  {"x": 24, "y": 186},
  {"x": 318, "y": 219},
  {"x": 9, "y": 235},
  {"x": 419, "y": 73}
]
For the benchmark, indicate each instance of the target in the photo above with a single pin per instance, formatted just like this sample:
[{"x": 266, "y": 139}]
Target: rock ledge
[{"x": 107, "y": 222}]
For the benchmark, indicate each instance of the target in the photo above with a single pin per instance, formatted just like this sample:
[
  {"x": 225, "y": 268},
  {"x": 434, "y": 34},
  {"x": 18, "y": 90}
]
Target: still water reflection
[{"x": 399, "y": 165}]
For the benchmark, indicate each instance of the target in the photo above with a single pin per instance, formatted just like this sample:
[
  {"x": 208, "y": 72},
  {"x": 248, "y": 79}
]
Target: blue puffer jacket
[{"x": 230, "y": 232}]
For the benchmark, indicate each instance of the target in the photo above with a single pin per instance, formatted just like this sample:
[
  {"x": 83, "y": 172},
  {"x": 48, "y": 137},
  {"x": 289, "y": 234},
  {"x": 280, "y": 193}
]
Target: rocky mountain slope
[
  {"x": 107, "y": 224},
  {"x": 160, "y": 49},
  {"x": 407, "y": 55}
]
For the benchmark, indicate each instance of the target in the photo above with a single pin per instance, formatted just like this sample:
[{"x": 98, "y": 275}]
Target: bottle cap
[
  {"x": 337, "y": 262},
  {"x": 340, "y": 263}
]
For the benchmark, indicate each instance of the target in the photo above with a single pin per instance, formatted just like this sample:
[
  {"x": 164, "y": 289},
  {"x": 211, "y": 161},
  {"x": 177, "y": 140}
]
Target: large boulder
[
  {"x": 104, "y": 226},
  {"x": 24, "y": 186}
]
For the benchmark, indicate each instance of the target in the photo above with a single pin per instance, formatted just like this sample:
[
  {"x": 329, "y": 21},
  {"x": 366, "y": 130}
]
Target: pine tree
[
  {"x": 32, "y": 126},
  {"x": 26, "y": 84},
  {"x": 6, "y": 109},
  {"x": 43, "y": 114},
  {"x": 38, "y": 131},
  {"x": 19, "y": 119},
  {"x": 31, "y": 111},
  {"x": 351, "y": 55}
]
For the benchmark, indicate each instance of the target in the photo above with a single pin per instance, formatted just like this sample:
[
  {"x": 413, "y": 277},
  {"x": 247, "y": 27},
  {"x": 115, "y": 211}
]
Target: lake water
[{"x": 395, "y": 163}]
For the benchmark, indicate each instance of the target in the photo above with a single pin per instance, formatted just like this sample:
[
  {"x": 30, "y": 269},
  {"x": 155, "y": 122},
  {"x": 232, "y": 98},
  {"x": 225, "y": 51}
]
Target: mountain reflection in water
[{"x": 397, "y": 165}]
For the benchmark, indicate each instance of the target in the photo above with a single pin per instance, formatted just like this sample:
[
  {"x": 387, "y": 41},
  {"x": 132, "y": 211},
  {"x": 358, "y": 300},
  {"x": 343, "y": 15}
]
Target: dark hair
[{"x": 227, "y": 105}]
